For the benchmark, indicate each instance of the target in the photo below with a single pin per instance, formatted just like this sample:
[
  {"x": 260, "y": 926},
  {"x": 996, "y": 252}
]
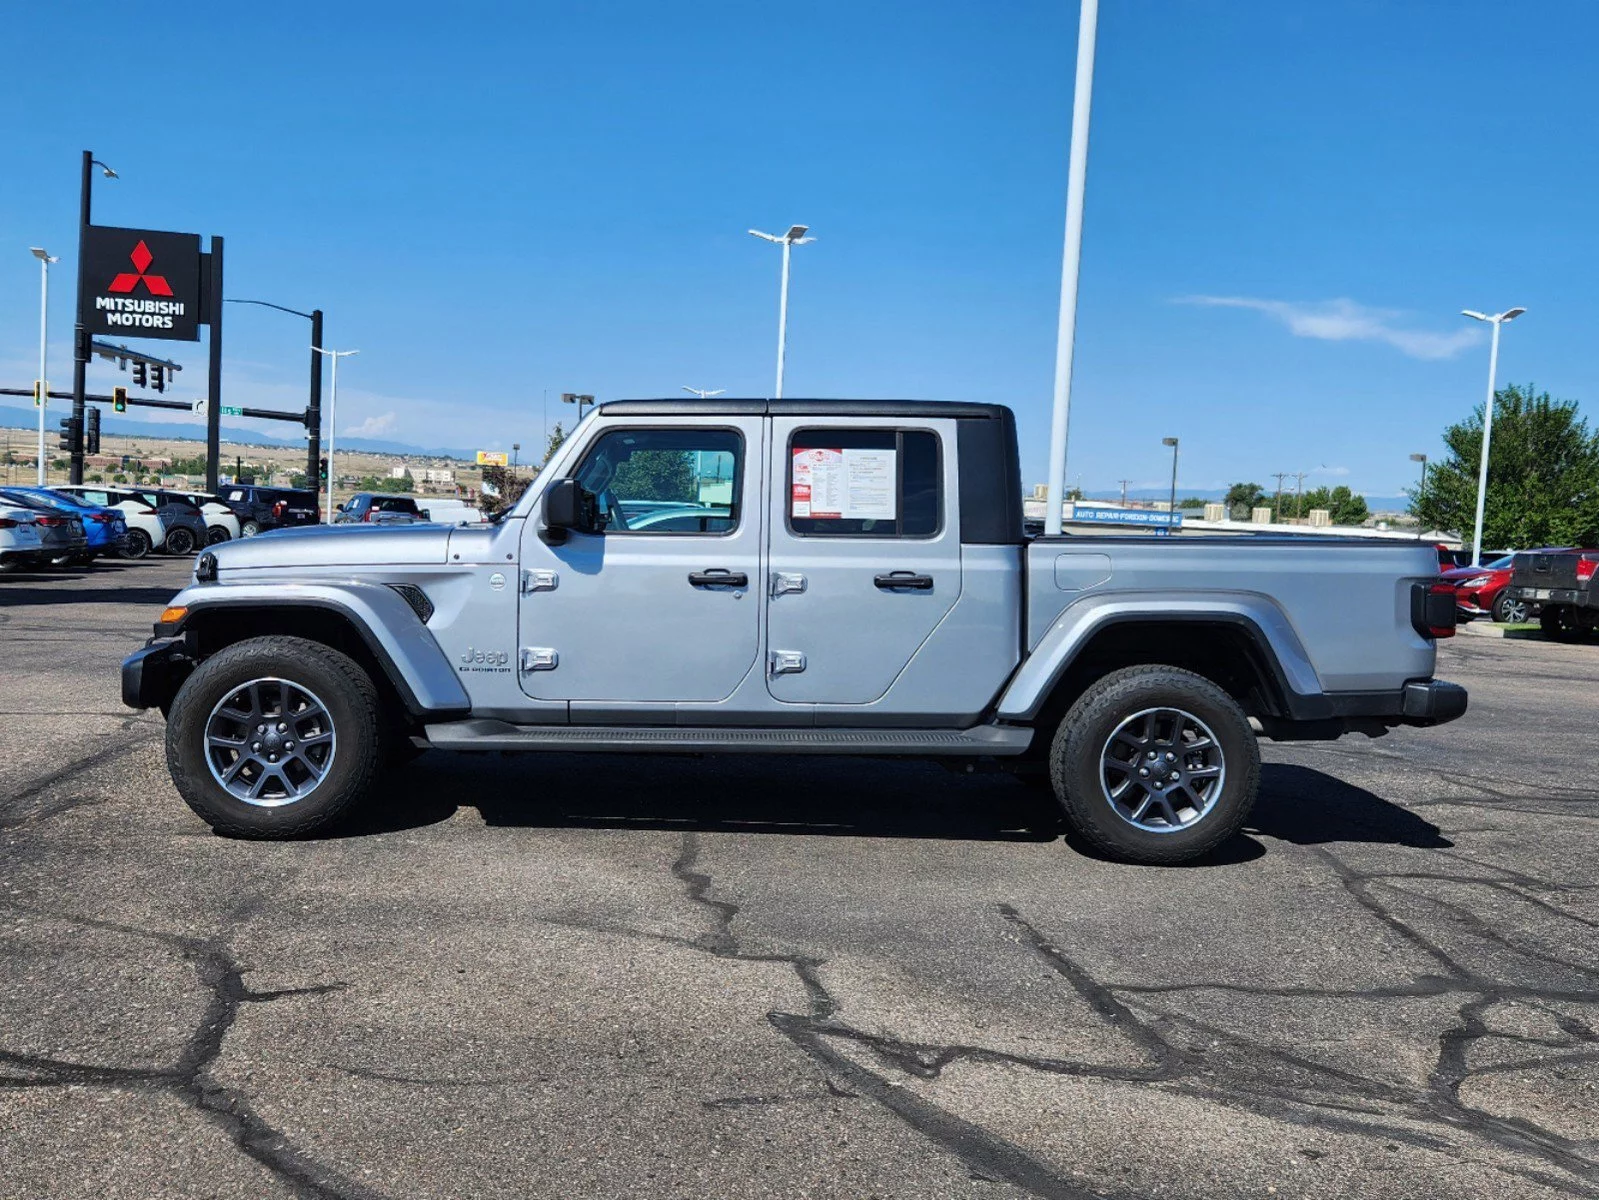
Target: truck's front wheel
[
  {"x": 274, "y": 737},
  {"x": 1155, "y": 765}
]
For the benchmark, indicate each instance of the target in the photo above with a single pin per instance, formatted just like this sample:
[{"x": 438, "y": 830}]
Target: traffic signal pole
[
  {"x": 80, "y": 334},
  {"x": 313, "y": 416}
]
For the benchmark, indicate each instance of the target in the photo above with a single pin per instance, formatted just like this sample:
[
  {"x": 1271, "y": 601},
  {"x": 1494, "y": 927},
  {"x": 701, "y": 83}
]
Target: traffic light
[
  {"x": 70, "y": 432},
  {"x": 322, "y": 468},
  {"x": 158, "y": 377},
  {"x": 119, "y": 399},
  {"x": 91, "y": 433},
  {"x": 38, "y": 393},
  {"x": 139, "y": 377}
]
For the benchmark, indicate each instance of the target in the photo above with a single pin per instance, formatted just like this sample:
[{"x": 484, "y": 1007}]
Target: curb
[{"x": 1482, "y": 629}]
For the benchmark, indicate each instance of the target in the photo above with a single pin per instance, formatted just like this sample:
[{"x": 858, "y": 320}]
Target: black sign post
[{"x": 213, "y": 407}]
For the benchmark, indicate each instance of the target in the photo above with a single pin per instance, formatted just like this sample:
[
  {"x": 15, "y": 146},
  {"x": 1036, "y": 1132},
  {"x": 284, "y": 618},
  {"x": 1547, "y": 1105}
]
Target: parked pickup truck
[
  {"x": 789, "y": 577},
  {"x": 1562, "y": 582}
]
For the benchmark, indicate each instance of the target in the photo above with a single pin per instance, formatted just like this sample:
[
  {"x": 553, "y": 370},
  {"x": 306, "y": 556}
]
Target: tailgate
[{"x": 1563, "y": 570}]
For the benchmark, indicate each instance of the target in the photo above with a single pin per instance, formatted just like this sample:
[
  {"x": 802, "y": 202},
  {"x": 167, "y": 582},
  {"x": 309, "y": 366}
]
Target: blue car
[{"x": 106, "y": 528}]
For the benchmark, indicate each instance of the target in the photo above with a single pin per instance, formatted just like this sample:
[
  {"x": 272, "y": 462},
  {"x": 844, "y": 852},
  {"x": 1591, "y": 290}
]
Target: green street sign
[{"x": 229, "y": 411}]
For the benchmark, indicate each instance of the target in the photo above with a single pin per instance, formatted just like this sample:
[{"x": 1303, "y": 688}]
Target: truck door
[
  {"x": 865, "y": 557},
  {"x": 663, "y": 605}
]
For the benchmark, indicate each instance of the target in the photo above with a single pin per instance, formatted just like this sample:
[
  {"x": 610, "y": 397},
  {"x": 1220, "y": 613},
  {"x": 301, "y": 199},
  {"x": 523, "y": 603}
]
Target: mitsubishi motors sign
[{"x": 141, "y": 283}]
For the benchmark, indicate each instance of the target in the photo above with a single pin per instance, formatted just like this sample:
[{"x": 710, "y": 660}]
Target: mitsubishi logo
[{"x": 141, "y": 257}]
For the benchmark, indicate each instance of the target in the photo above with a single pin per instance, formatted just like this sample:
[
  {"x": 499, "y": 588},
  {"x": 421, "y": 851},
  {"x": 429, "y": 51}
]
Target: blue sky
[{"x": 1288, "y": 204}]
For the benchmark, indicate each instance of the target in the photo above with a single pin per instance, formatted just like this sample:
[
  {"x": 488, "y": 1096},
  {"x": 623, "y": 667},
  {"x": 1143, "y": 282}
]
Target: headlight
[{"x": 1479, "y": 581}]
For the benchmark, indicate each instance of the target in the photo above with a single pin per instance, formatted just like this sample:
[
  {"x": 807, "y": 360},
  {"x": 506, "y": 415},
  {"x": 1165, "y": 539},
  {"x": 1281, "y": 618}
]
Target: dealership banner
[{"x": 141, "y": 283}]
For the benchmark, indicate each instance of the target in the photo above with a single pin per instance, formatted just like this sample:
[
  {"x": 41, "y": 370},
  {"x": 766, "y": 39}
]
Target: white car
[
  {"x": 446, "y": 510},
  {"x": 221, "y": 522},
  {"x": 146, "y": 530},
  {"x": 19, "y": 539}
]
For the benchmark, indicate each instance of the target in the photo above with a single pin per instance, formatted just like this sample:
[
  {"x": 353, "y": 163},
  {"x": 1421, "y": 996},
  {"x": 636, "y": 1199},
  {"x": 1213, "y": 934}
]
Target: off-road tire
[
  {"x": 181, "y": 542},
  {"x": 137, "y": 545},
  {"x": 1076, "y": 769},
  {"x": 1559, "y": 623},
  {"x": 250, "y": 529},
  {"x": 352, "y": 703},
  {"x": 215, "y": 535}
]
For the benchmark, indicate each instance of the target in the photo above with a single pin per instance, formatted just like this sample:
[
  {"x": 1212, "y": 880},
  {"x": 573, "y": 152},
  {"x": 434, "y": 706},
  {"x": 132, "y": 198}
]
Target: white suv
[
  {"x": 146, "y": 531},
  {"x": 19, "y": 538},
  {"x": 221, "y": 522}
]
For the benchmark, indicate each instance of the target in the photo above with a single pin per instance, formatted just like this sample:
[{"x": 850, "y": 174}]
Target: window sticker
[{"x": 830, "y": 484}]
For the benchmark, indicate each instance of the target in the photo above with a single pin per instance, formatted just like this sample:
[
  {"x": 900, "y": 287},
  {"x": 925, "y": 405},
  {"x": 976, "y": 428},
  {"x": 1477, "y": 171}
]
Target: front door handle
[
  {"x": 909, "y": 580},
  {"x": 718, "y": 577}
]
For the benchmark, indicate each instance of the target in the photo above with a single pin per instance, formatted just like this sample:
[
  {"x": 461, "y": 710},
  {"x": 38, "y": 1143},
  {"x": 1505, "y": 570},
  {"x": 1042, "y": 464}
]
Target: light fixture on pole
[
  {"x": 578, "y": 399},
  {"x": 1422, "y": 459},
  {"x": 703, "y": 393},
  {"x": 1171, "y": 521},
  {"x": 1071, "y": 262},
  {"x": 80, "y": 334},
  {"x": 794, "y": 237},
  {"x": 1496, "y": 320},
  {"x": 45, "y": 259},
  {"x": 333, "y": 416}
]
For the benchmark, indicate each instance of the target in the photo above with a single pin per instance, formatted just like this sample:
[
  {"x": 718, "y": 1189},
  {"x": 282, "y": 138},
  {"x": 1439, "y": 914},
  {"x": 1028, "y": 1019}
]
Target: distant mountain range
[{"x": 15, "y": 418}]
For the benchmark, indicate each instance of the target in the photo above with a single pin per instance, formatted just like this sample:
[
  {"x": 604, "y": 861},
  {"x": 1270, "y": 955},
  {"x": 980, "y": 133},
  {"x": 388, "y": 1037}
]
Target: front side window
[
  {"x": 666, "y": 481},
  {"x": 865, "y": 483}
]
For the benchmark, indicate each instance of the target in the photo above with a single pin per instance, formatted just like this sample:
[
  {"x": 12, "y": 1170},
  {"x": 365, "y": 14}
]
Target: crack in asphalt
[
  {"x": 189, "y": 1079},
  {"x": 1231, "y": 1070}
]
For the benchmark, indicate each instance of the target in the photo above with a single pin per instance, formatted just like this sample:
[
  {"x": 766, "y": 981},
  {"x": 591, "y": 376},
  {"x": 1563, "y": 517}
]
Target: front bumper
[{"x": 151, "y": 675}]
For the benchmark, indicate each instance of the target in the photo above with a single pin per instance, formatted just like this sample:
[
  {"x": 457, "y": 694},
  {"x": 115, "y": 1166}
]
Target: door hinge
[
  {"x": 539, "y": 658},
  {"x": 785, "y": 662},
  {"x": 784, "y": 583},
  {"x": 540, "y": 581}
]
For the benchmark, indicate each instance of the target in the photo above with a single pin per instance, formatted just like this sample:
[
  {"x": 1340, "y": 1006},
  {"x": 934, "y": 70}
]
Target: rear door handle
[
  {"x": 718, "y": 577},
  {"x": 909, "y": 580}
]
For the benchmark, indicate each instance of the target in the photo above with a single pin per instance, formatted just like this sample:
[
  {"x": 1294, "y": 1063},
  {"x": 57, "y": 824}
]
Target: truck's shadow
[{"x": 834, "y": 797}]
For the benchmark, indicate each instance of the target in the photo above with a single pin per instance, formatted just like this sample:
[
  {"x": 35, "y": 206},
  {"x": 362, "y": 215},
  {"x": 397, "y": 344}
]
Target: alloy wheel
[
  {"x": 270, "y": 742},
  {"x": 1162, "y": 770}
]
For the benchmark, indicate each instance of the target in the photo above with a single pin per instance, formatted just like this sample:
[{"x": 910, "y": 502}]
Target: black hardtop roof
[{"x": 728, "y": 406}]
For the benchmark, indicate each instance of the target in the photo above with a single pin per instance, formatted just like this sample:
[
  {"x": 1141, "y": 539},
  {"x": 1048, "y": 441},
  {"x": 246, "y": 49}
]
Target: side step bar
[{"x": 486, "y": 734}]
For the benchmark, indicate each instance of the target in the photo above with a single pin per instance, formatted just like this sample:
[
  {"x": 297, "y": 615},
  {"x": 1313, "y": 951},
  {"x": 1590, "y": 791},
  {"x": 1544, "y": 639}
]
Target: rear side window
[
  {"x": 865, "y": 483},
  {"x": 399, "y": 504}
]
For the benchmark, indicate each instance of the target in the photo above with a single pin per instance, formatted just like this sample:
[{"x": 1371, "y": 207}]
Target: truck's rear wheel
[
  {"x": 1559, "y": 621},
  {"x": 275, "y": 737},
  {"x": 1155, "y": 765}
]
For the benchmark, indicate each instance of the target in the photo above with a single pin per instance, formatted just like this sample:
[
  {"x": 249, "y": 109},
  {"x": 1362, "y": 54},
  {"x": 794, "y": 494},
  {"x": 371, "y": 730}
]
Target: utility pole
[
  {"x": 1124, "y": 484},
  {"x": 1299, "y": 493},
  {"x": 1277, "y": 508}
]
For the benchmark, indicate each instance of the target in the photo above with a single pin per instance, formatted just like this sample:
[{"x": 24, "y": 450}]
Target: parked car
[
  {"x": 378, "y": 508},
  {"x": 448, "y": 510},
  {"x": 186, "y": 525},
  {"x": 855, "y": 580},
  {"x": 262, "y": 508},
  {"x": 1562, "y": 581},
  {"x": 19, "y": 538},
  {"x": 105, "y": 528},
  {"x": 221, "y": 522},
  {"x": 61, "y": 534},
  {"x": 147, "y": 532}
]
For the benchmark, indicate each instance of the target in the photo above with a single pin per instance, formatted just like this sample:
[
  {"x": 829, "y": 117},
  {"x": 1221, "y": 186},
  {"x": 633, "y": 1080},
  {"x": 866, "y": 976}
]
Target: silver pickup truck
[{"x": 789, "y": 577}]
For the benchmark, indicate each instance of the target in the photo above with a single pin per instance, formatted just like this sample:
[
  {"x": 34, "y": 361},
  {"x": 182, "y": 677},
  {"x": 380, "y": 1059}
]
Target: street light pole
[
  {"x": 1171, "y": 520},
  {"x": 45, "y": 259},
  {"x": 1422, "y": 459},
  {"x": 333, "y": 416},
  {"x": 794, "y": 237},
  {"x": 1071, "y": 263},
  {"x": 1496, "y": 320}
]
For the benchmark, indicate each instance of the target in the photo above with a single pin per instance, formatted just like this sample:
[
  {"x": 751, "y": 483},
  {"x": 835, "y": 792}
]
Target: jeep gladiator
[{"x": 789, "y": 577}]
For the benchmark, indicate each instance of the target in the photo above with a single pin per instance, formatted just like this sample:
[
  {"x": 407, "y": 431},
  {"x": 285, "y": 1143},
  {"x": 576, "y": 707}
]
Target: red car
[{"x": 1477, "y": 591}]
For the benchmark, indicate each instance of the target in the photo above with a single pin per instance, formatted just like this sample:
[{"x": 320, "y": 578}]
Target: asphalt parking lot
[{"x": 599, "y": 977}]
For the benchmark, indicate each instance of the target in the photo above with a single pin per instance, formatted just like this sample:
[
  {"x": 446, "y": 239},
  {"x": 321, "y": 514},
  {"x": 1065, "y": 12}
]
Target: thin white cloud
[
  {"x": 1347, "y": 321},
  {"x": 378, "y": 426}
]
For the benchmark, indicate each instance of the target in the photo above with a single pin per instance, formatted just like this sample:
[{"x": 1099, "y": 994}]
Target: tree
[
  {"x": 557, "y": 436},
  {"x": 1543, "y": 475},
  {"x": 1244, "y": 498},
  {"x": 1192, "y": 502},
  {"x": 656, "y": 475},
  {"x": 1346, "y": 507}
]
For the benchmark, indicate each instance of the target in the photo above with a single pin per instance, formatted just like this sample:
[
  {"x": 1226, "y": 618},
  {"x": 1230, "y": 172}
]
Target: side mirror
[{"x": 567, "y": 506}]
